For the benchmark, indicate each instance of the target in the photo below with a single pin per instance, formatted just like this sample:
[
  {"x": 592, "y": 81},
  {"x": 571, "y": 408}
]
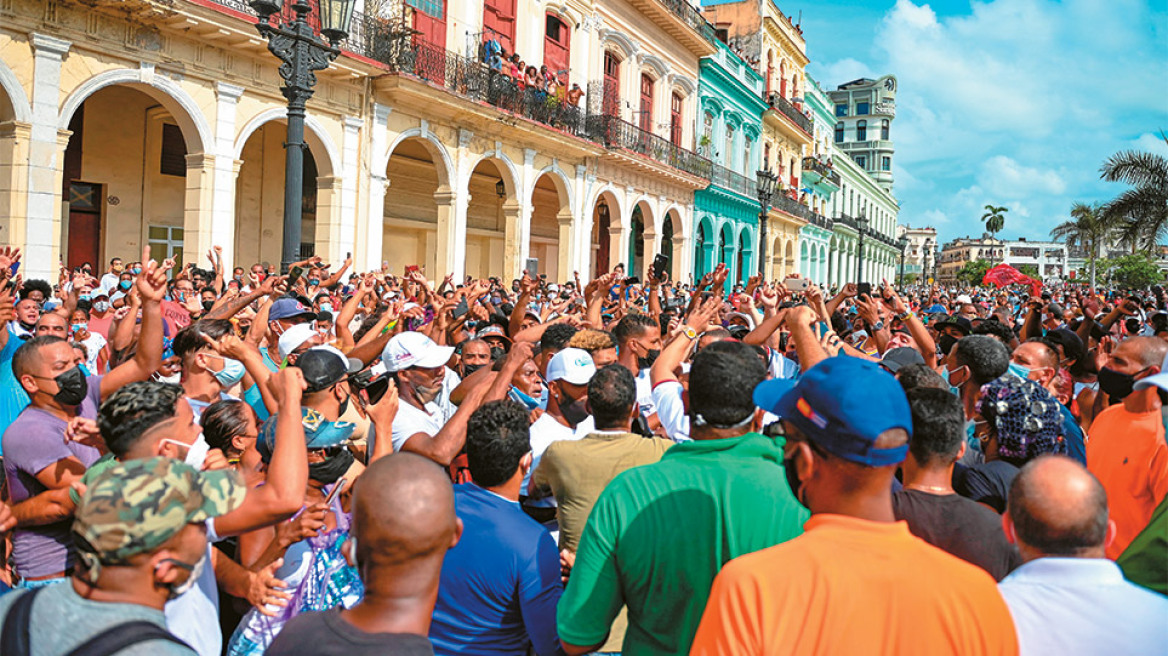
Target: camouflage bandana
[{"x": 135, "y": 506}]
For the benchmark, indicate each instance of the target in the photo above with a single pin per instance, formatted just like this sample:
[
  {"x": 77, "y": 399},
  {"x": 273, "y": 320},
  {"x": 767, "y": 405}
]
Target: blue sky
[{"x": 1009, "y": 102}]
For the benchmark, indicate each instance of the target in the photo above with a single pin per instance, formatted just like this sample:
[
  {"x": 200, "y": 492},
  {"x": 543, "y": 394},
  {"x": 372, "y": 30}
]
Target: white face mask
[
  {"x": 196, "y": 451},
  {"x": 173, "y": 379},
  {"x": 192, "y": 579}
]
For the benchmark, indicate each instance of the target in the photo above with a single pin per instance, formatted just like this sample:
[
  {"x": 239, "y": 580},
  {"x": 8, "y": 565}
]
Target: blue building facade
[{"x": 730, "y": 108}]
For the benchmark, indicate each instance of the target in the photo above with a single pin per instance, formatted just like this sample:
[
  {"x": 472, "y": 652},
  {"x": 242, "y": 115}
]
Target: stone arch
[
  {"x": 196, "y": 130},
  {"x": 493, "y": 223},
  {"x": 507, "y": 169},
  {"x": 607, "y": 233},
  {"x": 625, "y": 46},
  {"x": 433, "y": 146},
  {"x": 659, "y": 67},
  {"x": 315, "y": 135},
  {"x": 642, "y": 246},
  {"x": 551, "y": 227},
  {"x": 14, "y": 102},
  {"x": 562, "y": 182},
  {"x": 565, "y": 12}
]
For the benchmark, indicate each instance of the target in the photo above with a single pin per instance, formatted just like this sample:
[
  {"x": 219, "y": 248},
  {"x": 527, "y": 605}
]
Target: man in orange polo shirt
[
  {"x": 857, "y": 581},
  {"x": 1125, "y": 446}
]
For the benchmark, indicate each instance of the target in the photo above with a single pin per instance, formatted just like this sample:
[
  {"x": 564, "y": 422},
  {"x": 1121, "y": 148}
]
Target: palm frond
[{"x": 1139, "y": 169}]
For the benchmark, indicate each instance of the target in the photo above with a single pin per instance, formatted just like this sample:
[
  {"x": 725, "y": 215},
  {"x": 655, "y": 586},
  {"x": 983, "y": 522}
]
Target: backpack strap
[
  {"x": 14, "y": 639},
  {"x": 117, "y": 638}
]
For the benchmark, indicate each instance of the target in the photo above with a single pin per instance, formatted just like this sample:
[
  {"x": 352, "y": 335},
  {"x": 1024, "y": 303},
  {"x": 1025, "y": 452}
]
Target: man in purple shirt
[
  {"x": 37, "y": 456},
  {"x": 500, "y": 584}
]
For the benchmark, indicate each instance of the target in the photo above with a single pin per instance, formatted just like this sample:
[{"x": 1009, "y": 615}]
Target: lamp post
[
  {"x": 303, "y": 53},
  {"x": 861, "y": 228},
  {"x": 903, "y": 243},
  {"x": 926, "y": 255},
  {"x": 766, "y": 189}
]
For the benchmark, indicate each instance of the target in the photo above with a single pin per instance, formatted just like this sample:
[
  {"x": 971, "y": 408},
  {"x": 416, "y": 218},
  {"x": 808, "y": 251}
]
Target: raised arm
[{"x": 151, "y": 286}]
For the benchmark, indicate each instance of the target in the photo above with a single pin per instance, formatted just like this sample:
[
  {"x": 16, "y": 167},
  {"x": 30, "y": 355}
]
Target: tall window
[
  {"x": 886, "y": 163},
  {"x": 611, "y": 84},
  {"x": 707, "y": 133},
  {"x": 861, "y": 130},
  {"x": 841, "y": 110},
  {"x": 646, "y": 102},
  {"x": 862, "y": 109},
  {"x": 770, "y": 71},
  {"x": 557, "y": 46},
  {"x": 839, "y": 132},
  {"x": 884, "y": 129},
  {"x": 729, "y": 152},
  {"x": 766, "y": 155},
  {"x": 747, "y": 148},
  {"x": 675, "y": 119}
]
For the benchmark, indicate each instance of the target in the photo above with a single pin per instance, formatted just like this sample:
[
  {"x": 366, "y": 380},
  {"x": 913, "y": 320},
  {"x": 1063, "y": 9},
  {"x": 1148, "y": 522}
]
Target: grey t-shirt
[
  {"x": 62, "y": 620},
  {"x": 33, "y": 442}
]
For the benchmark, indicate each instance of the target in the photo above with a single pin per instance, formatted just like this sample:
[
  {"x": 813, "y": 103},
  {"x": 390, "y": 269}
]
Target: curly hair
[
  {"x": 497, "y": 437},
  {"x": 133, "y": 410},
  {"x": 592, "y": 340}
]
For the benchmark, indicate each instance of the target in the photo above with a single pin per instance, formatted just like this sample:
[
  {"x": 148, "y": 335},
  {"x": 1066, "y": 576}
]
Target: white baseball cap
[
  {"x": 294, "y": 338},
  {"x": 572, "y": 365},
  {"x": 964, "y": 298},
  {"x": 413, "y": 349}
]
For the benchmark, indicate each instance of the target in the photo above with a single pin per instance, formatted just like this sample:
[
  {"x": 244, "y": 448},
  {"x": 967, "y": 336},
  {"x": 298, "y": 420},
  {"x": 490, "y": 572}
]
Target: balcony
[
  {"x": 846, "y": 220},
  {"x": 792, "y": 207},
  {"x": 727, "y": 179},
  {"x": 819, "y": 174},
  {"x": 615, "y": 133},
  {"x": 682, "y": 21},
  {"x": 791, "y": 117}
]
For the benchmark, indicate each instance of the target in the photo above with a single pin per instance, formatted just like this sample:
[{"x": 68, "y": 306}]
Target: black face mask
[
  {"x": 497, "y": 353},
  {"x": 574, "y": 411},
  {"x": 330, "y": 470},
  {"x": 71, "y": 387},
  {"x": 468, "y": 369},
  {"x": 1114, "y": 384},
  {"x": 207, "y": 305},
  {"x": 649, "y": 358},
  {"x": 344, "y": 405},
  {"x": 946, "y": 343},
  {"x": 793, "y": 479}
]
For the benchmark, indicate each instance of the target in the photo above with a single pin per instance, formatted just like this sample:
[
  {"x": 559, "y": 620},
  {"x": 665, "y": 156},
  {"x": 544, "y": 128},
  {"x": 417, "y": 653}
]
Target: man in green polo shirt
[{"x": 660, "y": 533}]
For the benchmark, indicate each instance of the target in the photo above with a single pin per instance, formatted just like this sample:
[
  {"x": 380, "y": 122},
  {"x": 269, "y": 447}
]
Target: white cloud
[
  {"x": 1002, "y": 177},
  {"x": 1148, "y": 142},
  {"x": 845, "y": 70}
]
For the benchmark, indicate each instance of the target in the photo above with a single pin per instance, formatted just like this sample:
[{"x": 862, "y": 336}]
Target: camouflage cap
[{"x": 136, "y": 506}]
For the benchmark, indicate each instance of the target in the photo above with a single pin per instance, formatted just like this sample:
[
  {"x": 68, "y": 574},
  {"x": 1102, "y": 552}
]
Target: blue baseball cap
[
  {"x": 843, "y": 404},
  {"x": 286, "y": 308},
  {"x": 319, "y": 433}
]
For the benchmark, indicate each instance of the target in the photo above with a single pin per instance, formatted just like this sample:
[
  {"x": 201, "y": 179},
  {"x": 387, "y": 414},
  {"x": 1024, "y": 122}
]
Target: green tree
[
  {"x": 1089, "y": 229},
  {"x": 1132, "y": 271},
  {"x": 1030, "y": 270},
  {"x": 972, "y": 273},
  {"x": 994, "y": 218},
  {"x": 1143, "y": 209}
]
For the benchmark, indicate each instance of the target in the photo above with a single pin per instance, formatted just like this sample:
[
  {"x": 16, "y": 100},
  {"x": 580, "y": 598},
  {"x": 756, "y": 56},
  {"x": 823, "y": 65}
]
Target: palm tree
[
  {"x": 1090, "y": 230},
  {"x": 995, "y": 219},
  {"x": 1145, "y": 205}
]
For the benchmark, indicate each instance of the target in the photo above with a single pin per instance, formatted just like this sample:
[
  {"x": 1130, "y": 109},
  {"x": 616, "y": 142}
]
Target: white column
[
  {"x": 526, "y": 193},
  {"x": 42, "y": 248},
  {"x": 350, "y": 167},
  {"x": 225, "y": 173},
  {"x": 370, "y": 230}
]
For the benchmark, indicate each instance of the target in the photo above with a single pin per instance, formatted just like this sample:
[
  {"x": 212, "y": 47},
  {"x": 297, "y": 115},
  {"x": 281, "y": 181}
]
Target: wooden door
[
  {"x": 646, "y": 103},
  {"x": 85, "y": 202},
  {"x": 611, "y": 84},
  {"x": 499, "y": 23},
  {"x": 430, "y": 23},
  {"x": 675, "y": 119},
  {"x": 557, "y": 46}
]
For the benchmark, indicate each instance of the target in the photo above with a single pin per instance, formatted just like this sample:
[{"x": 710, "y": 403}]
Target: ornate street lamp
[
  {"x": 766, "y": 190},
  {"x": 861, "y": 228},
  {"x": 303, "y": 53},
  {"x": 926, "y": 255},
  {"x": 903, "y": 243}
]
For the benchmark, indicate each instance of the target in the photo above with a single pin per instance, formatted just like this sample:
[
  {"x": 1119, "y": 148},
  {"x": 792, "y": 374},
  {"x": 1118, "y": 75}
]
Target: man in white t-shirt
[
  {"x": 566, "y": 418},
  {"x": 426, "y": 422}
]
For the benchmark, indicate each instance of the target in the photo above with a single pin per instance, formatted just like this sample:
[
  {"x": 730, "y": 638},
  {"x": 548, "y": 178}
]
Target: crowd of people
[{"x": 332, "y": 462}]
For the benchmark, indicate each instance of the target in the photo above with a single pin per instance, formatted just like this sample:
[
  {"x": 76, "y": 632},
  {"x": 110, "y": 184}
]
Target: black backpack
[{"x": 14, "y": 640}]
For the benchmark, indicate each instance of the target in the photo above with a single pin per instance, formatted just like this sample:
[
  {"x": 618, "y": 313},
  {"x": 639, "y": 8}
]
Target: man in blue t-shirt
[{"x": 500, "y": 584}]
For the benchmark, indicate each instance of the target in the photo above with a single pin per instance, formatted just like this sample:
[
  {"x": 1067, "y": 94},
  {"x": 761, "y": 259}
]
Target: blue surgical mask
[
  {"x": 1019, "y": 370},
  {"x": 126, "y": 285},
  {"x": 326, "y": 307},
  {"x": 83, "y": 297},
  {"x": 314, "y": 281},
  {"x": 79, "y": 326},
  {"x": 231, "y": 373},
  {"x": 521, "y": 397}
]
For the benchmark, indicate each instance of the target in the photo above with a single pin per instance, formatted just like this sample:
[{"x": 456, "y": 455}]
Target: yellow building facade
[{"x": 160, "y": 122}]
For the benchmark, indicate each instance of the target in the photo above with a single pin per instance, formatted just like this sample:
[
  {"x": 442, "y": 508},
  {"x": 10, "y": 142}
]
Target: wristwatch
[
  {"x": 904, "y": 315},
  {"x": 690, "y": 333},
  {"x": 879, "y": 325}
]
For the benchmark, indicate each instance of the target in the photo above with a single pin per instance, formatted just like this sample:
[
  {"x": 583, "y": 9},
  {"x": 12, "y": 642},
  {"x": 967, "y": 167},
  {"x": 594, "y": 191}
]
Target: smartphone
[
  {"x": 660, "y": 261},
  {"x": 461, "y": 309},
  {"x": 864, "y": 289},
  {"x": 294, "y": 275},
  {"x": 336, "y": 490},
  {"x": 412, "y": 268},
  {"x": 16, "y": 267},
  {"x": 797, "y": 284}
]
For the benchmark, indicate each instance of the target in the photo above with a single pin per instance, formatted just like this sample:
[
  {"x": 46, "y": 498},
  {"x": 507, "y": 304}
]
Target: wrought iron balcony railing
[
  {"x": 822, "y": 170},
  {"x": 691, "y": 17},
  {"x": 784, "y": 107},
  {"x": 792, "y": 207},
  {"x": 727, "y": 179},
  {"x": 614, "y": 132}
]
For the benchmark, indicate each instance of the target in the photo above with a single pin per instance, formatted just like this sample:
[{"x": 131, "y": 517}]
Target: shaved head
[
  {"x": 403, "y": 512},
  {"x": 1150, "y": 350},
  {"x": 1058, "y": 508}
]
